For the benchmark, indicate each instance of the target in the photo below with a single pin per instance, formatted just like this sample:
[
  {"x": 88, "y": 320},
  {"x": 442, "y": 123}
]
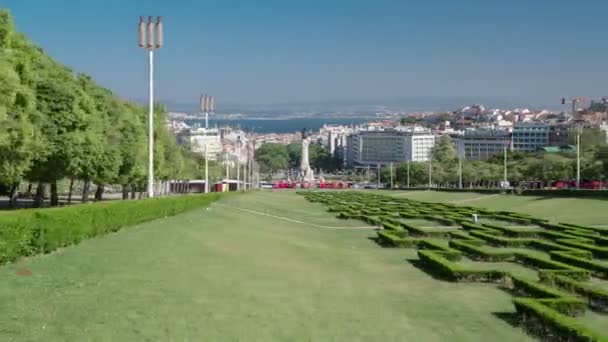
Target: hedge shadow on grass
[{"x": 419, "y": 264}]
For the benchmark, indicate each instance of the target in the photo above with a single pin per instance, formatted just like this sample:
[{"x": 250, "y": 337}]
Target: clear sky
[{"x": 257, "y": 51}]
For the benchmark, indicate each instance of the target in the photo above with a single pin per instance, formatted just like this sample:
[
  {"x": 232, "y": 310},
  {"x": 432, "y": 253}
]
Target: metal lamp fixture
[
  {"x": 151, "y": 38},
  {"x": 207, "y": 106}
]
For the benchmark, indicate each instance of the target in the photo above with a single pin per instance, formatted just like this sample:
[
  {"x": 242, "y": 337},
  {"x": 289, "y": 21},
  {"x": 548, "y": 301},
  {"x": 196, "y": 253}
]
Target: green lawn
[
  {"x": 226, "y": 274},
  {"x": 572, "y": 210}
]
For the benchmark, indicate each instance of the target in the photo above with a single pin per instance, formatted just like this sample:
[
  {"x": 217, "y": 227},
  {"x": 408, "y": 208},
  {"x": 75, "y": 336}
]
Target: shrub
[
  {"x": 448, "y": 253},
  {"x": 388, "y": 238},
  {"x": 441, "y": 266},
  {"x": 499, "y": 240},
  {"x": 599, "y": 252},
  {"x": 597, "y": 298},
  {"x": 476, "y": 253},
  {"x": 551, "y": 325},
  {"x": 598, "y": 269},
  {"x": 44, "y": 230},
  {"x": 548, "y": 264},
  {"x": 514, "y": 232}
]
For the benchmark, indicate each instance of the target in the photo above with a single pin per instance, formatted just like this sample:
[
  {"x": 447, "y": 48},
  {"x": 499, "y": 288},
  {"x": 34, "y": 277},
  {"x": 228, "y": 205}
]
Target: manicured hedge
[
  {"x": 28, "y": 232},
  {"x": 441, "y": 266},
  {"x": 548, "y": 264},
  {"x": 390, "y": 239},
  {"x": 528, "y": 192},
  {"x": 599, "y": 269},
  {"x": 599, "y": 252},
  {"x": 476, "y": 253},
  {"x": 550, "y": 325},
  {"x": 597, "y": 297},
  {"x": 572, "y": 248},
  {"x": 499, "y": 240}
]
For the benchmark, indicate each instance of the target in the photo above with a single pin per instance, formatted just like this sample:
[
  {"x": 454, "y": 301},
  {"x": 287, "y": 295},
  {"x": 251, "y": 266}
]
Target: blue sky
[{"x": 518, "y": 51}]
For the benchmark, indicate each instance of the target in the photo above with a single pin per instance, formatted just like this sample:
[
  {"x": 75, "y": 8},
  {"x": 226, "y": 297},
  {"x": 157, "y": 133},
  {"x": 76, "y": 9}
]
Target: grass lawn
[
  {"x": 226, "y": 274},
  {"x": 571, "y": 210}
]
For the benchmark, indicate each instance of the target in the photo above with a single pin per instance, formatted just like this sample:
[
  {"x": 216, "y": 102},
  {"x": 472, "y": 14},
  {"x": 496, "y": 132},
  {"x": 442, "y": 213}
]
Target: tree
[
  {"x": 272, "y": 157},
  {"x": 444, "y": 152},
  {"x": 56, "y": 124},
  {"x": 16, "y": 102}
]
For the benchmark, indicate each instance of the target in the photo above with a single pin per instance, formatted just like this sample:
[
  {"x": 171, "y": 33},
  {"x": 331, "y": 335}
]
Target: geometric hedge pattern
[{"x": 571, "y": 255}]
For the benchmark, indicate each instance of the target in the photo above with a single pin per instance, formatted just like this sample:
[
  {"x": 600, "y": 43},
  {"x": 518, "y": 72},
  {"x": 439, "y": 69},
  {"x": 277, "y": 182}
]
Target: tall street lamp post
[{"x": 151, "y": 38}]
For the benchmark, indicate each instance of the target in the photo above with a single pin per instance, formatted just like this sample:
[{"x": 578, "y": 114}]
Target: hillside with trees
[{"x": 59, "y": 125}]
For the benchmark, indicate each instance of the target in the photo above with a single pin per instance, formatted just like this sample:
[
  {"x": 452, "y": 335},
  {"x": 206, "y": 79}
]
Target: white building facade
[
  {"x": 383, "y": 146},
  {"x": 206, "y": 138}
]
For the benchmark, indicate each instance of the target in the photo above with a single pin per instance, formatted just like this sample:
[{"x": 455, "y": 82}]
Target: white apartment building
[
  {"x": 208, "y": 138},
  {"x": 382, "y": 146}
]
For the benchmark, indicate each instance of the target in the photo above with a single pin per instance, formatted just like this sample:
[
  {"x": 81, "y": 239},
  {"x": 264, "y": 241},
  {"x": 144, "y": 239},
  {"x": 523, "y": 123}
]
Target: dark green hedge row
[
  {"x": 476, "y": 253},
  {"x": 29, "y": 232},
  {"x": 571, "y": 247},
  {"x": 514, "y": 232},
  {"x": 530, "y": 192},
  {"x": 598, "y": 252},
  {"x": 550, "y": 325},
  {"x": 598, "y": 269},
  {"x": 600, "y": 230},
  {"x": 438, "y": 263},
  {"x": 390, "y": 239},
  {"x": 597, "y": 297}
]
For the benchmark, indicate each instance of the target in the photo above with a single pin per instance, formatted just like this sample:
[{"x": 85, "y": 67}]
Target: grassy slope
[
  {"x": 223, "y": 274},
  {"x": 573, "y": 210}
]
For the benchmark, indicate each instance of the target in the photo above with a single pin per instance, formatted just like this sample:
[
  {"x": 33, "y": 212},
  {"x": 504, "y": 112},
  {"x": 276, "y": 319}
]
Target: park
[{"x": 272, "y": 265}]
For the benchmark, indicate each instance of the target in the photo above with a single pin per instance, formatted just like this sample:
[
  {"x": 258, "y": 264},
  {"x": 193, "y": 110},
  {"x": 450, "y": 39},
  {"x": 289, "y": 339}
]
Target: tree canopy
[{"x": 56, "y": 124}]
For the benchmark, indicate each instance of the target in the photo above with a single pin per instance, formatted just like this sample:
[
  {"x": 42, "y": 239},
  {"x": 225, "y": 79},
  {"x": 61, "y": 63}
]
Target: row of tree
[
  {"x": 521, "y": 167},
  {"x": 273, "y": 158},
  {"x": 57, "y": 124}
]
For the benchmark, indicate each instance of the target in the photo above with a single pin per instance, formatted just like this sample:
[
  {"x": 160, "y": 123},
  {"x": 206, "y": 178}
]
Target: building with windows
[
  {"x": 206, "y": 138},
  {"x": 529, "y": 137},
  {"x": 479, "y": 144},
  {"x": 382, "y": 146}
]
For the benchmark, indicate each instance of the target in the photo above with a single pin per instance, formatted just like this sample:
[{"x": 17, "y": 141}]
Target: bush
[
  {"x": 499, "y": 240},
  {"x": 598, "y": 252},
  {"x": 551, "y": 325},
  {"x": 598, "y": 298},
  {"x": 390, "y": 239},
  {"x": 43, "y": 230},
  {"x": 448, "y": 253},
  {"x": 477, "y": 253},
  {"x": 547, "y": 264},
  {"x": 598, "y": 269},
  {"x": 441, "y": 266}
]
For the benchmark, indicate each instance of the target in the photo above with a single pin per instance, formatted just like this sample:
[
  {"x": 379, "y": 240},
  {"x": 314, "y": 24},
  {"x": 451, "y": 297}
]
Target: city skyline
[{"x": 360, "y": 51}]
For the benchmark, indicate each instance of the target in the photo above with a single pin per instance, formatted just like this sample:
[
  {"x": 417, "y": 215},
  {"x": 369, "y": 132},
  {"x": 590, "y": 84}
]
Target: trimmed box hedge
[
  {"x": 597, "y": 297},
  {"x": 550, "y": 325},
  {"x": 33, "y": 231},
  {"x": 597, "y": 268}
]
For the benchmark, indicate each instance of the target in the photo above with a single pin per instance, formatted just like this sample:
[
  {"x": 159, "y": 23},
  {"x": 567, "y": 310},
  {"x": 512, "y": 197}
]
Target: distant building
[
  {"x": 558, "y": 149},
  {"x": 389, "y": 145},
  {"x": 559, "y": 134},
  {"x": 529, "y": 137},
  {"x": 479, "y": 144},
  {"x": 208, "y": 138},
  {"x": 604, "y": 132}
]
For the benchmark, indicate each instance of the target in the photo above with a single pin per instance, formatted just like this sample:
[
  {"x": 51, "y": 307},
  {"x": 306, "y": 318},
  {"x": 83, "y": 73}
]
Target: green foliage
[
  {"x": 539, "y": 317},
  {"x": 576, "y": 254},
  {"x": 41, "y": 231},
  {"x": 55, "y": 123},
  {"x": 272, "y": 157}
]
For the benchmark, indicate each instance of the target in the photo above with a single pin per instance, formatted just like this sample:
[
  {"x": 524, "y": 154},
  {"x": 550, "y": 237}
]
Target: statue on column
[{"x": 306, "y": 173}]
